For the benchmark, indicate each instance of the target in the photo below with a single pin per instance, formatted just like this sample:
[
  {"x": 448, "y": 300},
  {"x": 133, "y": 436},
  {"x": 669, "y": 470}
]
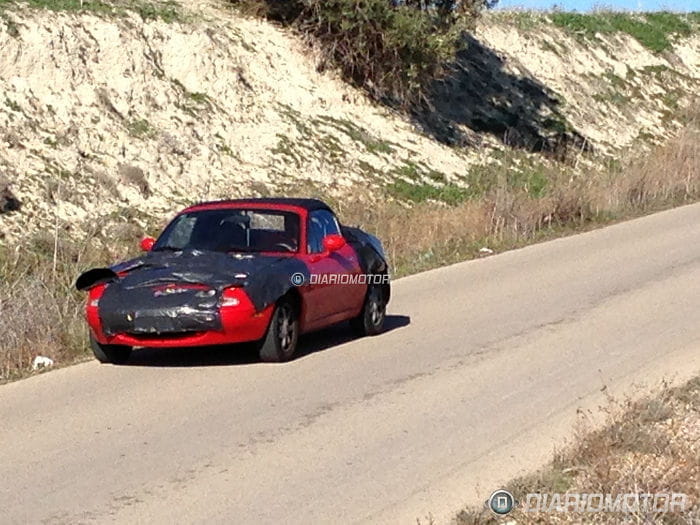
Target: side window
[{"x": 321, "y": 223}]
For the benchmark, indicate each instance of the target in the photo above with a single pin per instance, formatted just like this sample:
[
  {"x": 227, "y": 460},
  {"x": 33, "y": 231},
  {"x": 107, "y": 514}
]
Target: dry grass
[
  {"x": 428, "y": 234},
  {"x": 41, "y": 313},
  {"x": 647, "y": 446}
]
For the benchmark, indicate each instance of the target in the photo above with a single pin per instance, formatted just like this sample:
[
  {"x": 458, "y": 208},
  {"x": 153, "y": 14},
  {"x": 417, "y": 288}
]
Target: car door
[{"x": 331, "y": 298}]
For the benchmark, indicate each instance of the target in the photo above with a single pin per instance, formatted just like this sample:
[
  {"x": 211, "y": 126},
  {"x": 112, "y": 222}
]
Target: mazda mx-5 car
[{"x": 262, "y": 270}]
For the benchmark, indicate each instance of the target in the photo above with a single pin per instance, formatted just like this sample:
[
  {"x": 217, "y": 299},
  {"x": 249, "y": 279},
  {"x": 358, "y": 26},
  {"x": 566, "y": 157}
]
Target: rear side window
[
  {"x": 321, "y": 223},
  {"x": 267, "y": 221}
]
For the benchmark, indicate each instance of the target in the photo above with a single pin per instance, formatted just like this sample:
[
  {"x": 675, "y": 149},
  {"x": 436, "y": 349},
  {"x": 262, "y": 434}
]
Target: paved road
[{"x": 479, "y": 377}]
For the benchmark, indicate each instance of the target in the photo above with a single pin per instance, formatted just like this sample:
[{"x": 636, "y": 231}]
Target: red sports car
[{"x": 264, "y": 270}]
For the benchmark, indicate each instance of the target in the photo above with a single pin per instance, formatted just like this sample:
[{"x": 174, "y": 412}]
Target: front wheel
[
  {"x": 114, "y": 354},
  {"x": 371, "y": 318},
  {"x": 280, "y": 342}
]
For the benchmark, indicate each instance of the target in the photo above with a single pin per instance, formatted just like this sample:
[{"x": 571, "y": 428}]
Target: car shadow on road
[{"x": 245, "y": 353}]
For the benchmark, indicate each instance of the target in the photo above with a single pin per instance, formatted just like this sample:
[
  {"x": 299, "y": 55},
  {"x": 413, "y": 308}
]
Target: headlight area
[
  {"x": 239, "y": 318},
  {"x": 236, "y": 298},
  {"x": 92, "y": 308},
  {"x": 230, "y": 297},
  {"x": 94, "y": 296}
]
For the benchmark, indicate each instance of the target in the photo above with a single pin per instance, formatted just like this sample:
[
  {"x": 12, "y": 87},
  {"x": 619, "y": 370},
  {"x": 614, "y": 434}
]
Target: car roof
[{"x": 307, "y": 204}]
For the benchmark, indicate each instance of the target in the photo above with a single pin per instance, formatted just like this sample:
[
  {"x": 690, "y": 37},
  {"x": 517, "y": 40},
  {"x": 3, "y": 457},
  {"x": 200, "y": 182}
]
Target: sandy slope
[{"x": 108, "y": 119}]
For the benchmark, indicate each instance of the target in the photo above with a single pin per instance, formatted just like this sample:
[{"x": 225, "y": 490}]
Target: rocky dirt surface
[{"x": 110, "y": 118}]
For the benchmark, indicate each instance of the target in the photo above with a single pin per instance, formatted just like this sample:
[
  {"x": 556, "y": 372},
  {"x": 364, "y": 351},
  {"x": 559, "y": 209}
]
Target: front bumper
[{"x": 238, "y": 324}]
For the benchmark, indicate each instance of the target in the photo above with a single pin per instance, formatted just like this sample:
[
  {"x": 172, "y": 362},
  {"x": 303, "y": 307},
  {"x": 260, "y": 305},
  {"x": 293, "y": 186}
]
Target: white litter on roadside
[{"x": 41, "y": 362}]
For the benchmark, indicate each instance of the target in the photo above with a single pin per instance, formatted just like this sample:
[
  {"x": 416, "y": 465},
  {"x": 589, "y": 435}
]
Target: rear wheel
[
  {"x": 282, "y": 336},
  {"x": 371, "y": 318},
  {"x": 115, "y": 354}
]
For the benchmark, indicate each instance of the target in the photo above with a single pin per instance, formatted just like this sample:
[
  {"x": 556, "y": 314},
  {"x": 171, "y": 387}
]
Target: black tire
[
  {"x": 114, "y": 354},
  {"x": 371, "y": 318},
  {"x": 280, "y": 342}
]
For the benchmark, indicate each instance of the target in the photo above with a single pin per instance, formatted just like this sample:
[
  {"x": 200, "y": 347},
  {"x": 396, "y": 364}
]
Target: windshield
[{"x": 232, "y": 230}]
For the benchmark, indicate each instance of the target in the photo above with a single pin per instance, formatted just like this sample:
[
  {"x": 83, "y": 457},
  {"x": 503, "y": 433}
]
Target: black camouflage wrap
[
  {"x": 139, "y": 302},
  {"x": 370, "y": 253}
]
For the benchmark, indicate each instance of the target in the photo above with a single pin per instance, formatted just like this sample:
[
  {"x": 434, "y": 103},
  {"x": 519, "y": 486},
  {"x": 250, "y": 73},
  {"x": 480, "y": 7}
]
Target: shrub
[{"x": 393, "y": 49}]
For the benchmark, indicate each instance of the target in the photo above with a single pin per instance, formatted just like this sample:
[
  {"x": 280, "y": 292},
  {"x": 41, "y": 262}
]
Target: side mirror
[
  {"x": 333, "y": 242},
  {"x": 147, "y": 244}
]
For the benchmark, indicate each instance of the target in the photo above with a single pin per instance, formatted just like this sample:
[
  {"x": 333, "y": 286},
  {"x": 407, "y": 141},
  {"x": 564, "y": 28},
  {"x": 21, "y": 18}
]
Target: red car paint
[{"x": 322, "y": 305}]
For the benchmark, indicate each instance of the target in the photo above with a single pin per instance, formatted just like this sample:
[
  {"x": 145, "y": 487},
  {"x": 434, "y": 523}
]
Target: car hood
[{"x": 215, "y": 269}]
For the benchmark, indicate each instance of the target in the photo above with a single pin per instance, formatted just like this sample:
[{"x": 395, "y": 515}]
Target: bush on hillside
[{"x": 391, "y": 48}]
